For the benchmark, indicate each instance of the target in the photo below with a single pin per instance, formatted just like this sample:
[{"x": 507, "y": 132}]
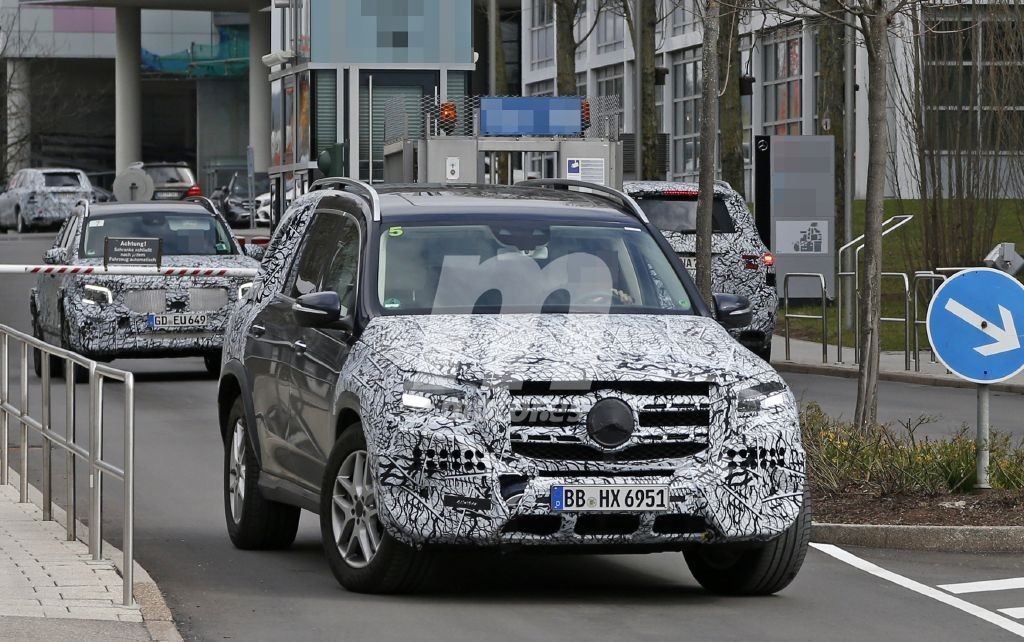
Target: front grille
[
  {"x": 207, "y": 299},
  {"x": 145, "y": 301},
  {"x": 662, "y": 418},
  {"x": 567, "y": 451},
  {"x": 607, "y": 524}
]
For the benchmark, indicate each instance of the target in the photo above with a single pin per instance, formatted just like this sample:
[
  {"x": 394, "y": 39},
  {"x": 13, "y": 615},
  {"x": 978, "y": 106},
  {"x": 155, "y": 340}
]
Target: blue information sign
[
  {"x": 531, "y": 116},
  {"x": 976, "y": 325}
]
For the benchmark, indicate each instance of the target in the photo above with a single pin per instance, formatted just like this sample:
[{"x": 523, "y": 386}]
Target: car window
[
  {"x": 62, "y": 179},
  {"x": 342, "y": 272},
  {"x": 319, "y": 251},
  {"x": 169, "y": 175},
  {"x": 679, "y": 214},
  {"x": 526, "y": 266},
  {"x": 16, "y": 181},
  {"x": 181, "y": 232}
]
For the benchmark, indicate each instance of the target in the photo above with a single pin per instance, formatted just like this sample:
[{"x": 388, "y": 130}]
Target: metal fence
[{"x": 12, "y": 415}]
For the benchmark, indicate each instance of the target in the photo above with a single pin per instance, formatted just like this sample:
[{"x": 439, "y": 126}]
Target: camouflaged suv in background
[{"x": 41, "y": 198}]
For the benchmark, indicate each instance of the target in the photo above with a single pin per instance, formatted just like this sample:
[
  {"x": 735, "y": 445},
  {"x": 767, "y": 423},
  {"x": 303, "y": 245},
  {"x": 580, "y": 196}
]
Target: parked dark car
[
  {"x": 232, "y": 200},
  {"x": 172, "y": 181},
  {"x": 498, "y": 366}
]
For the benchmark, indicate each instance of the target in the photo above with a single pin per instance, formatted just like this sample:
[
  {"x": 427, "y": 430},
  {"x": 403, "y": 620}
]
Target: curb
[
  {"x": 900, "y": 377},
  {"x": 955, "y": 539},
  {"x": 156, "y": 615}
]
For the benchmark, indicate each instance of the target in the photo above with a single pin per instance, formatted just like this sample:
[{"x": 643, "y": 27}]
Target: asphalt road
[{"x": 218, "y": 592}]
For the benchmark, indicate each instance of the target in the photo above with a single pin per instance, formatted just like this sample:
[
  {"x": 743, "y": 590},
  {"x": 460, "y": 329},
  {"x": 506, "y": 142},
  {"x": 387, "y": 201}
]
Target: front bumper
[{"x": 441, "y": 482}]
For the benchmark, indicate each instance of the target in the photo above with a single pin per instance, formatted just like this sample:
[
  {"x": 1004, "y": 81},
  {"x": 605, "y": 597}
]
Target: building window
[
  {"x": 542, "y": 34},
  {"x": 973, "y": 82},
  {"x": 684, "y": 17},
  {"x": 581, "y": 84},
  {"x": 610, "y": 31},
  {"x": 542, "y": 88},
  {"x": 686, "y": 82},
  {"x": 783, "y": 80},
  {"x": 610, "y": 83}
]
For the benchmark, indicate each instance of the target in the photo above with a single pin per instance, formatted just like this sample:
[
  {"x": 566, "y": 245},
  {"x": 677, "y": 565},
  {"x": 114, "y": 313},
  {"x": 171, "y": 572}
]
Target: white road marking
[
  {"x": 1016, "y": 613},
  {"x": 923, "y": 589},
  {"x": 988, "y": 585}
]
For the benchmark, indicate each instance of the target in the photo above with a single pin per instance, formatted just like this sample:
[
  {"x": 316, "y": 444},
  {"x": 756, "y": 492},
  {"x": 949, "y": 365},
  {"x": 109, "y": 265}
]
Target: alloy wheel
[
  {"x": 236, "y": 473},
  {"x": 356, "y": 527}
]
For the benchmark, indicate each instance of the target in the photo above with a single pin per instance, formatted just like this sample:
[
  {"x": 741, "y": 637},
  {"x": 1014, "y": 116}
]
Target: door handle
[
  {"x": 257, "y": 330},
  {"x": 300, "y": 347}
]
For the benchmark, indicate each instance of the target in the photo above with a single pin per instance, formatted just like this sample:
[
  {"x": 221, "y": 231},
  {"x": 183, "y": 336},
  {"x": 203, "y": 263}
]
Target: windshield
[
  {"x": 526, "y": 266},
  {"x": 182, "y": 233},
  {"x": 169, "y": 175},
  {"x": 62, "y": 179},
  {"x": 240, "y": 186},
  {"x": 674, "y": 214}
]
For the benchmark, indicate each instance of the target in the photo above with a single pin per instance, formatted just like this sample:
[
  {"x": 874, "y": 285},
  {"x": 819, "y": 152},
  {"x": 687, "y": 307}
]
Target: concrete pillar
[
  {"x": 128, "y": 88},
  {"x": 19, "y": 115},
  {"x": 259, "y": 86}
]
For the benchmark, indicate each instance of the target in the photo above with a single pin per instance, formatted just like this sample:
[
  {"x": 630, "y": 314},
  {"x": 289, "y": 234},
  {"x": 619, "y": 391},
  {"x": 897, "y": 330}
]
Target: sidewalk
[
  {"x": 51, "y": 589},
  {"x": 805, "y": 357}
]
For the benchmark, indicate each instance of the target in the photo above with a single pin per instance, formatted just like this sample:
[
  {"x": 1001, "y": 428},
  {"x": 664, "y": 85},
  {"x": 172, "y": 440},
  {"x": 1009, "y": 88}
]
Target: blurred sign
[
  {"x": 531, "y": 116},
  {"x": 591, "y": 170}
]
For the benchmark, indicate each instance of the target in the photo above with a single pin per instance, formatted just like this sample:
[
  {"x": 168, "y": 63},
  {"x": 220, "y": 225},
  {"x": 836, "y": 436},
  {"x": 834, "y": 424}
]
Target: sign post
[{"x": 976, "y": 328}]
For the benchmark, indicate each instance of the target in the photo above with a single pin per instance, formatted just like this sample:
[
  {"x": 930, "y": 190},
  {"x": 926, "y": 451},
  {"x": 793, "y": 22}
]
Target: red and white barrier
[{"x": 127, "y": 270}]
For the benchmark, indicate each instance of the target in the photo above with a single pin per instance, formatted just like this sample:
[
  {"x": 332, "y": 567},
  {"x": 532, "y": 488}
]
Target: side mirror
[
  {"x": 732, "y": 310},
  {"x": 55, "y": 256},
  {"x": 321, "y": 310},
  {"x": 255, "y": 251}
]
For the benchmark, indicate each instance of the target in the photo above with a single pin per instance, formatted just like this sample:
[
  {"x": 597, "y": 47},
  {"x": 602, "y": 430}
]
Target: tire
[
  {"x": 212, "y": 363},
  {"x": 762, "y": 570},
  {"x": 254, "y": 523},
  {"x": 392, "y": 567}
]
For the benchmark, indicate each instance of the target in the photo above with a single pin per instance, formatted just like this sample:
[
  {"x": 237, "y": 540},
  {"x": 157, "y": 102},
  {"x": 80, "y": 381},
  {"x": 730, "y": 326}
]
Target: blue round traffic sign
[{"x": 976, "y": 325}]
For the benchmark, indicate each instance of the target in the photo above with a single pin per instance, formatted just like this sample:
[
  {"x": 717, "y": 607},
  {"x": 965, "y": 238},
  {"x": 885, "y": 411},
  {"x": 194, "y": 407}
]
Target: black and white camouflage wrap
[
  {"x": 728, "y": 274},
  {"x": 42, "y": 206},
  {"x": 120, "y": 329},
  {"x": 459, "y": 474}
]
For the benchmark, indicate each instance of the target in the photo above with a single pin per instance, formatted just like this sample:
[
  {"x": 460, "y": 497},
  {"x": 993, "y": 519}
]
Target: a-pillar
[
  {"x": 128, "y": 88},
  {"x": 19, "y": 115},
  {"x": 259, "y": 85}
]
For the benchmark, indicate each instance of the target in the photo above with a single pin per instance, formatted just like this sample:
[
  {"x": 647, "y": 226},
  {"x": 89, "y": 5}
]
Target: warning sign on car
[{"x": 131, "y": 251}]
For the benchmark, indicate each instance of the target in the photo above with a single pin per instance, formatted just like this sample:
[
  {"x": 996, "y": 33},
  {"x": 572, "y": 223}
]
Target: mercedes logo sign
[{"x": 610, "y": 422}]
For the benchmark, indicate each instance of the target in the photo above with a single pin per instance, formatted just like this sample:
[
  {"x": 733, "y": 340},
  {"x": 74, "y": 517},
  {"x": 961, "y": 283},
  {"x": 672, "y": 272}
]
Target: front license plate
[
  {"x": 609, "y": 498},
  {"x": 183, "y": 320}
]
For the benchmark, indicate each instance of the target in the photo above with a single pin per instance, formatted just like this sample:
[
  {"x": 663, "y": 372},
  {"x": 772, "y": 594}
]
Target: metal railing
[
  {"x": 889, "y": 225},
  {"x": 98, "y": 467},
  {"x": 906, "y": 319},
  {"x": 787, "y": 316},
  {"x": 933, "y": 280}
]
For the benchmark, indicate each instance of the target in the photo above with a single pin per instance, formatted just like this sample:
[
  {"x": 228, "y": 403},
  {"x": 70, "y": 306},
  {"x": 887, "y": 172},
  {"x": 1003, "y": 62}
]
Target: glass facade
[
  {"x": 686, "y": 74},
  {"x": 783, "y": 81}
]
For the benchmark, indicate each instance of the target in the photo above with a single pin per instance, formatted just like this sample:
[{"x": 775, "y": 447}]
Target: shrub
[{"x": 884, "y": 460}]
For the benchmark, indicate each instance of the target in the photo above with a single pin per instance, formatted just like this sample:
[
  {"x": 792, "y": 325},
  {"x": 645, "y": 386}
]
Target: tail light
[
  {"x": 752, "y": 261},
  {"x": 769, "y": 259},
  {"x": 195, "y": 190},
  {"x": 679, "y": 192},
  {"x": 448, "y": 117}
]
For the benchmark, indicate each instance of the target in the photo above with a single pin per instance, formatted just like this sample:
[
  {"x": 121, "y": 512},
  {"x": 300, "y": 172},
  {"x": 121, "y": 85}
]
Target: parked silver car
[{"x": 38, "y": 198}]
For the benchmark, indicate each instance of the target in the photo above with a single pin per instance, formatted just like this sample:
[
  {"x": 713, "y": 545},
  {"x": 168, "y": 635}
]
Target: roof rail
[
  {"x": 204, "y": 201},
  {"x": 610, "y": 194},
  {"x": 365, "y": 190}
]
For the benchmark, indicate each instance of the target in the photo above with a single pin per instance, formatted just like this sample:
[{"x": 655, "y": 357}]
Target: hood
[{"x": 557, "y": 347}]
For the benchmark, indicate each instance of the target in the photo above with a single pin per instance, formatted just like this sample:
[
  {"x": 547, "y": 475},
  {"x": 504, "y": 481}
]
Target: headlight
[
  {"x": 96, "y": 295},
  {"x": 756, "y": 396},
  {"x": 447, "y": 397},
  {"x": 243, "y": 290}
]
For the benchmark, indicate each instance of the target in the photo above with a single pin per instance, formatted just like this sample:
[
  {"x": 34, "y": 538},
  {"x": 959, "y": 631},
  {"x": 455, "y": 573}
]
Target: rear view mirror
[
  {"x": 55, "y": 256},
  {"x": 255, "y": 251},
  {"x": 732, "y": 310},
  {"x": 321, "y": 310}
]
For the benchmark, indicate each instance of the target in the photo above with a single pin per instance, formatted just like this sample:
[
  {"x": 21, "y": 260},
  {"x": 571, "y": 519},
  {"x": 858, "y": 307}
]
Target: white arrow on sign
[{"x": 1006, "y": 338}]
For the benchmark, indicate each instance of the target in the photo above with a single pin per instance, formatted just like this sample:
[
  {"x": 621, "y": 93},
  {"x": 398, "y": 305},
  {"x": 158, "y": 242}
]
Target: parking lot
[{"x": 217, "y": 592}]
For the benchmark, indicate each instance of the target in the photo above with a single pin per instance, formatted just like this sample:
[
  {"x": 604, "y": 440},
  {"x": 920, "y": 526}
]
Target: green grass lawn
[{"x": 898, "y": 255}]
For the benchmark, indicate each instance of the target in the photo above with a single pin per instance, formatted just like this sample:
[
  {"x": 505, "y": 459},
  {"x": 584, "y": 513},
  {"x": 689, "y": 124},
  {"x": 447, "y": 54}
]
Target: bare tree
[
  {"x": 708, "y": 140},
  {"x": 730, "y": 105},
  {"x": 568, "y": 38}
]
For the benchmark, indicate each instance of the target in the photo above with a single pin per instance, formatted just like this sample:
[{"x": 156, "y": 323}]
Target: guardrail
[
  {"x": 906, "y": 319},
  {"x": 98, "y": 467},
  {"x": 932, "y": 279},
  {"x": 787, "y": 316}
]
